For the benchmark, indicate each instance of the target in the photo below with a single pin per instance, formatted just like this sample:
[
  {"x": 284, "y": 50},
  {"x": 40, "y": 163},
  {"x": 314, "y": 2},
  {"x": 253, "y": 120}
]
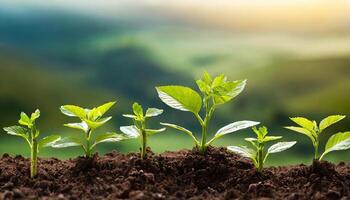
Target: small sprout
[
  {"x": 30, "y": 133},
  {"x": 339, "y": 141},
  {"x": 257, "y": 153},
  {"x": 91, "y": 119},
  {"x": 139, "y": 129},
  {"x": 215, "y": 92}
]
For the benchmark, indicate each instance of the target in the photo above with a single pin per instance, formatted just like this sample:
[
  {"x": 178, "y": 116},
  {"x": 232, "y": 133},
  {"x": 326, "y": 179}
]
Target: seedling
[
  {"x": 257, "y": 153},
  {"x": 139, "y": 129},
  {"x": 91, "y": 119},
  {"x": 215, "y": 92},
  {"x": 30, "y": 133},
  {"x": 339, "y": 141}
]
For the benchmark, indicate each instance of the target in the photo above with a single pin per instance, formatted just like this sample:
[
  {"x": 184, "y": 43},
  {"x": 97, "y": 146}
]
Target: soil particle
[{"x": 185, "y": 174}]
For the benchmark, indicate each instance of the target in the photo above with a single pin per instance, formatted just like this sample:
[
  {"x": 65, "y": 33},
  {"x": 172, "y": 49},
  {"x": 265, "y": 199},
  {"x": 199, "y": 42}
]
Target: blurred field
[{"x": 77, "y": 58}]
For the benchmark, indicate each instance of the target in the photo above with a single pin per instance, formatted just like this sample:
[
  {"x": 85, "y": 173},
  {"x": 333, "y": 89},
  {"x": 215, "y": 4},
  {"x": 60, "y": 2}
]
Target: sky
[{"x": 316, "y": 15}]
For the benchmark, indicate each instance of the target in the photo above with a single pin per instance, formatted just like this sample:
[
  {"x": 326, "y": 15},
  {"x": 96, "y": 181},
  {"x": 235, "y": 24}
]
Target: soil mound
[{"x": 183, "y": 174}]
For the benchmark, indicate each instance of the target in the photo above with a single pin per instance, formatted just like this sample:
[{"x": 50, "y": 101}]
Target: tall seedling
[
  {"x": 30, "y": 133},
  {"x": 91, "y": 119},
  {"x": 139, "y": 129},
  {"x": 215, "y": 92},
  {"x": 339, "y": 141}
]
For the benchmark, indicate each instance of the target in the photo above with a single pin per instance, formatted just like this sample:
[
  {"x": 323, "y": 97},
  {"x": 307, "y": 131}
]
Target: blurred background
[{"x": 295, "y": 55}]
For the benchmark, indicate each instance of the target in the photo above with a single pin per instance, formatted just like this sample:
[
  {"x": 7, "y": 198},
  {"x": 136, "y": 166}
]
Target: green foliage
[
  {"x": 139, "y": 129},
  {"x": 337, "y": 142},
  {"x": 313, "y": 131},
  {"x": 257, "y": 153},
  {"x": 215, "y": 92},
  {"x": 181, "y": 98},
  {"x": 91, "y": 119},
  {"x": 30, "y": 133}
]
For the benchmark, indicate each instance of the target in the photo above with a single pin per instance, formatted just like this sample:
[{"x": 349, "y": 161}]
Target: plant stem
[
  {"x": 33, "y": 154},
  {"x": 317, "y": 142},
  {"x": 260, "y": 158},
  {"x": 203, "y": 146},
  {"x": 88, "y": 145},
  {"x": 143, "y": 140},
  {"x": 321, "y": 157},
  {"x": 144, "y": 145},
  {"x": 316, "y": 150},
  {"x": 33, "y": 158}
]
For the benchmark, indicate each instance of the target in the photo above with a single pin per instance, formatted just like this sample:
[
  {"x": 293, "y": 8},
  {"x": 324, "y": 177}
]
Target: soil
[{"x": 184, "y": 174}]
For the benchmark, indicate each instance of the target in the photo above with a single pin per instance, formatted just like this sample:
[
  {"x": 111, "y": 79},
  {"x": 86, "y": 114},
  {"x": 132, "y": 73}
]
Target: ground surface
[{"x": 171, "y": 175}]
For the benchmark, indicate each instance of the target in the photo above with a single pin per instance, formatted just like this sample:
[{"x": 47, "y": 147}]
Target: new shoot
[
  {"x": 91, "y": 119},
  {"x": 258, "y": 154},
  {"x": 29, "y": 131},
  {"x": 339, "y": 141},
  {"x": 139, "y": 129},
  {"x": 214, "y": 93}
]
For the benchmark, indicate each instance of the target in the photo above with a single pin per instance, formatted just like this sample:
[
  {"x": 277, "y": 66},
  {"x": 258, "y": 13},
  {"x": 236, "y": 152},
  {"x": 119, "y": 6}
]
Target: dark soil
[{"x": 172, "y": 175}]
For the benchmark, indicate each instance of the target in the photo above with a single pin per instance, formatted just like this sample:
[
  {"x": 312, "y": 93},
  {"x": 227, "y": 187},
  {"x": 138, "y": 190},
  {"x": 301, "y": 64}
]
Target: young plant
[
  {"x": 91, "y": 119},
  {"x": 139, "y": 129},
  {"x": 215, "y": 92},
  {"x": 30, "y": 133},
  {"x": 257, "y": 153},
  {"x": 339, "y": 141}
]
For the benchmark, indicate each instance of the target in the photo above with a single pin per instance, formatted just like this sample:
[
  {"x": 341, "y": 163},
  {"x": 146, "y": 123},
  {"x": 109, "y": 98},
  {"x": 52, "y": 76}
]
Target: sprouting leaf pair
[
  {"x": 91, "y": 119},
  {"x": 339, "y": 141},
  {"x": 258, "y": 154},
  {"x": 139, "y": 129},
  {"x": 30, "y": 133},
  {"x": 215, "y": 92}
]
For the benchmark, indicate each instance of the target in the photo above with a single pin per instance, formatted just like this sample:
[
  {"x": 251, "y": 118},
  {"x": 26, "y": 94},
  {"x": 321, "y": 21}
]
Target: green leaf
[
  {"x": 48, "y": 141},
  {"x": 104, "y": 108},
  {"x": 203, "y": 87},
  {"x": 243, "y": 151},
  {"x": 130, "y": 131},
  {"x": 218, "y": 81},
  {"x": 81, "y": 126},
  {"x": 280, "y": 146},
  {"x": 152, "y": 112},
  {"x": 303, "y": 122},
  {"x": 228, "y": 90},
  {"x": 35, "y": 115},
  {"x": 137, "y": 109},
  {"x": 302, "y": 131},
  {"x": 271, "y": 138},
  {"x": 182, "y": 129},
  {"x": 17, "y": 131},
  {"x": 251, "y": 139},
  {"x": 181, "y": 98},
  {"x": 130, "y": 116},
  {"x": 98, "y": 112},
  {"x": 339, "y": 141},
  {"x": 74, "y": 111},
  {"x": 108, "y": 137},
  {"x": 25, "y": 120},
  {"x": 153, "y": 131},
  {"x": 204, "y": 84},
  {"x": 261, "y": 132},
  {"x": 207, "y": 78},
  {"x": 328, "y": 121},
  {"x": 236, "y": 126},
  {"x": 97, "y": 123},
  {"x": 67, "y": 142}
]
